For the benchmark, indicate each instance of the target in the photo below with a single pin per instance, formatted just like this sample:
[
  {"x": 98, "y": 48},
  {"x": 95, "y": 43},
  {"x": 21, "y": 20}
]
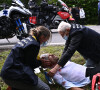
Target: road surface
[{"x": 56, "y": 38}]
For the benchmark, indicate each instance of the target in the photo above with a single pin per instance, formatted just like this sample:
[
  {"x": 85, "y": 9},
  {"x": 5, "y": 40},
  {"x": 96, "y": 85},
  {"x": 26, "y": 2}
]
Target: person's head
[
  {"x": 64, "y": 29},
  {"x": 51, "y": 57},
  {"x": 41, "y": 33}
]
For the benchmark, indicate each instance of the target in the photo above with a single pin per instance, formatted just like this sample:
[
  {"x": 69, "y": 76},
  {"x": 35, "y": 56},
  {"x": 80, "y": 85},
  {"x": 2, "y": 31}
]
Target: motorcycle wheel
[{"x": 6, "y": 28}]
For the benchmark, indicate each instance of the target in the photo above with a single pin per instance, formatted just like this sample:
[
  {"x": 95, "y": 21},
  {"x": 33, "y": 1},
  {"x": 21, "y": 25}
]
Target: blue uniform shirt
[{"x": 21, "y": 62}]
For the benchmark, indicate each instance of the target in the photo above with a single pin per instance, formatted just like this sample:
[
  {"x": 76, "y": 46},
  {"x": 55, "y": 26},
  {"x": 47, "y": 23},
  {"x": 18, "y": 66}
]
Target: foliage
[
  {"x": 5, "y": 1},
  {"x": 90, "y": 7},
  {"x": 3, "y": 56}
]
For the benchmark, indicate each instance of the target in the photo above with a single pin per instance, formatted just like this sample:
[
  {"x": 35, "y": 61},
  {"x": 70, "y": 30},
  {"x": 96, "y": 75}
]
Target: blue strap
[{"x": 50, "y": 81}]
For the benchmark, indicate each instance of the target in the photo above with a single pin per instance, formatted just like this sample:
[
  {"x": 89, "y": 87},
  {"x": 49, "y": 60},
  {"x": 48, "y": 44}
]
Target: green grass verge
[{"x": 57, "y": 50}]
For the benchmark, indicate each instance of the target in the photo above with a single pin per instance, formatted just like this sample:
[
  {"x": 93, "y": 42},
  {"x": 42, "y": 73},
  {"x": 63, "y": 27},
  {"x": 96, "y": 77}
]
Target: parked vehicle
[
  {"x": 14, "y": 20},
  {"x": 49, "y": 15}
]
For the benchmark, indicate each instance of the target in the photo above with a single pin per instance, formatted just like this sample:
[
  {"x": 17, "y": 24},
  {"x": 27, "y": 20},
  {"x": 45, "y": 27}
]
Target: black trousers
[
  {"x": 92, "y": 71},
  {"x": 17, "y": 85}
]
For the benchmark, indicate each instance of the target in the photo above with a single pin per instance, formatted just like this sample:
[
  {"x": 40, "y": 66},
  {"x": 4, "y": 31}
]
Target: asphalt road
[{"x": 56, "y": 38}]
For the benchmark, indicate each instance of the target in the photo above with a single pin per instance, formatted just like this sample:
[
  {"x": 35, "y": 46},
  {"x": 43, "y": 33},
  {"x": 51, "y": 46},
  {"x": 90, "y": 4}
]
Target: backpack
[{"x": 96, "y": 82}]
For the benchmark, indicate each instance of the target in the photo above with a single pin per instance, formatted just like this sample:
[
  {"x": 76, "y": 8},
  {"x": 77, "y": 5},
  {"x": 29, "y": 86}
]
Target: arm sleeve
[
  {"x": 66, "y": 46},
  {"x": 71, "y": 48}
]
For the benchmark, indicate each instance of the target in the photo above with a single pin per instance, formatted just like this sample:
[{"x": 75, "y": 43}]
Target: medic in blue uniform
[{"x": 18, "y": 69}]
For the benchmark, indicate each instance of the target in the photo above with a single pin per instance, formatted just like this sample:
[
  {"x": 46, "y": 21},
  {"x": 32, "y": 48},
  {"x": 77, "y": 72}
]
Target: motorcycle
[
  {"x": 14, "y": 20},
  {"x": 49, "y": 15}
]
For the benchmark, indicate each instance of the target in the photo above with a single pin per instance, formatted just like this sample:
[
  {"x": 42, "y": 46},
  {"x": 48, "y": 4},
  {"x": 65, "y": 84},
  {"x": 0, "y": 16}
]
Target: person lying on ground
[{"x": 71, "y": 76}]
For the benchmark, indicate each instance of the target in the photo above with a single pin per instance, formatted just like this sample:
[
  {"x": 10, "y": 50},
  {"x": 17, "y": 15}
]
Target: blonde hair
[
  {"x": 40, "y": 30},
  {"x": 63, "y": 26}
]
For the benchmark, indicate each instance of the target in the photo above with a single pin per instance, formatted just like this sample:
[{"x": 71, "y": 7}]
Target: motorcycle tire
[{"x": 6, "y": 28}]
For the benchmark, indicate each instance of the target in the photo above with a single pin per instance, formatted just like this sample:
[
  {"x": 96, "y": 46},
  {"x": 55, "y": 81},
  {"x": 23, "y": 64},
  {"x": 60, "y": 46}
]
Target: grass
[
  {"x": 3, "y": 56},
  {"x": 57, "y": 50}
]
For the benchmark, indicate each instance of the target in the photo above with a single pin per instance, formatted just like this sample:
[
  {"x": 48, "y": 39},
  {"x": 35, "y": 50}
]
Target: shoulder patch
[
  {"x": 24, "y": 41},
  {"x": 30, "y": 39},
  {"x": 20, "y": 43},
  {"x": 77, "y": 26}
]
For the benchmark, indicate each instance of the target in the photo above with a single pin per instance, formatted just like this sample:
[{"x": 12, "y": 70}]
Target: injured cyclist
[{"x": 72, "y": 76}]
